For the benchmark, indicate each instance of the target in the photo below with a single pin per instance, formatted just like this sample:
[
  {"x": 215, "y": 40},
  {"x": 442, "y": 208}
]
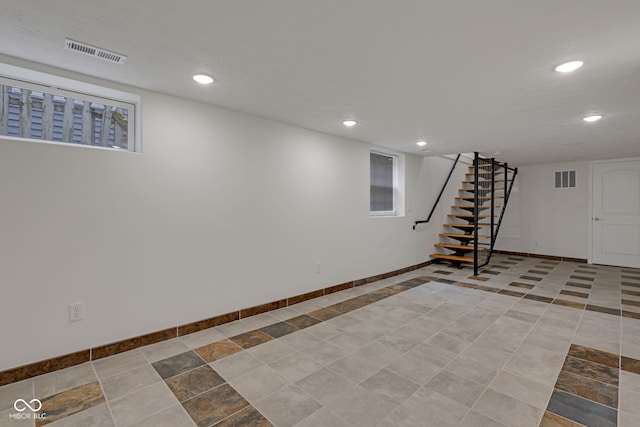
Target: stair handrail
[{"x": 439, "y": 195}]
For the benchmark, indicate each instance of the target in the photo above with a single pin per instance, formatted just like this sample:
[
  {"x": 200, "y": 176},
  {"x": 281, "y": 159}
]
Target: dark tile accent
[
  {"x": 279, "y": 329},
  {"x": 201, "y": 325},
  {"x": 568, "y": 303},
  {"x": 38, "y": 368},
  {"x": 305, "y": 297},
  {"x": 192, "y": 383},
  {"x": 217, "y": 350},
  {"x": 399, "y": 288},
  {"x": 251, "y": 339},
  {"x": 593, "y": 355},
  {"x": 69, "y": 402},
  {"x": 582, "y": 410},
  {"x": 537, "y": 279},
  {"x": 248, "y": 417},
  {"x": 303, "y": 321},
  {"x": 631, "y": 302},
  {"x": 577, "y": 260},
  {"x": 552, "y": 420},
  {"x": 574, "y": 294},
  {"x": 214, "y": 405},
  {"x": 441, "y": 272},
  {"x": 607, "y": 310},
  {"x": 464, "y": 285},
  {"x": 595, "y": 391},
  {"x": 633, "y": 285},
  {"x": 579, "y": 285},
  {"x": 488, "y": 288},
  {"x": 133, "y": 343},
  {"x": 262, "y": 308},
  {"x": 546, "y": 267},
  {"x": 371, "y": 298},
  {"x": 630, "y": 365},
  {"x": 522, "y": 285},
  {"x": 537, "y": 272},
  {"x": 338, "y": 288},
  {"x": 480, "y": 278},
  {"x": 495, "y": 273},
  {"x": 342, "y": 307},
  {"x": 548, "y": 262},
  {"x": 445, "y": 281},
  {"x": 176, "y": 365},
  {"x": 634, "y": 293},
  {"x": 325, "y": 313},
  {"x": 574, "y": 276},
  {"x": 630, "y": 314},
  {"x": 631, "y": 270},
  {"x": 511, "y": 293},
  {"x": 626, "y": 276},
  {"x": 538, "y": 298},
  {"x": 591, "y": 370}
]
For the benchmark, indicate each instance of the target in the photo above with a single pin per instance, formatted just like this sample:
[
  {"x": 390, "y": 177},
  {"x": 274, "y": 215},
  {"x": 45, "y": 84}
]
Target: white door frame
[{"x": 590, "y": 201}]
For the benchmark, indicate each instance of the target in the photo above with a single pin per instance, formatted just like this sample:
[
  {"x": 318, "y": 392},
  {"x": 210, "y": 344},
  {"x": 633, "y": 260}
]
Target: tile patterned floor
[{"x": 529, "y": 342}]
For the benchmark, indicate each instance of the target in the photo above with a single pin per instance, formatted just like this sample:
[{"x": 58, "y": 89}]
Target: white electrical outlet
[{"x": 76, "y": 311}]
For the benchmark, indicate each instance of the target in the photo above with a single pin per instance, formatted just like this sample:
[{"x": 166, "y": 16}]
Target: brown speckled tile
[
  {"x": 630, "y": 314},
  {"x": 326, "y": 314},
  {"x": 487, "y": 288},
  {"x": 630, "y": 365},
  {"x": 511, "y": 293},
  {"x": 607, "y": 310},
  {"x": 568, "y": 303},
  {"x": 214, "y": 405},
  {"x": 302, "y": 321},
  {"x": 192, "y": 383},
  {"x": 537, "y": 272},
  {"x": 464, "y": 285},
  {"x": 595, "y": 371},
  {"x": 537, "y": 279},
  {"x": 575, "y": 276},
  {"x": 579, "y": 285},
  {"x": 634, "y": 293},
  {"x": 631, "y": 302},
  {"x": 480, "y": 278},
  {"x": 178, "y": 364},
  {"x": 552, "y": 420},
  {"x": 633, "y": 285},
  {"x": 248, "y": 417},
  {"x": 538, "y": 298},
  {"x": 251, "y": 339},
  {"x": 208, "y": 323},
  {"x": 441, "y": 272},
  {"x": 69, "y": 402},
  {"x": 133, "y": 343},
  {"x": 217, "y": 350},
  {"x": 593, "y": 355},
  {"x": 574, "y": 294},
  {"x": 582, "y": 410},
  {"x": 279, "y": 329},
  {"x": 522, "y": 285},
  {"x": 595, "y": 391},
  {"x": 38, "y": 368}
]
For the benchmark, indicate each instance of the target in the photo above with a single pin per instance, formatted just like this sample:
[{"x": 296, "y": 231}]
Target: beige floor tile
[
  {"x": 65, "y": 379},
  {"x": 119, "y": 385},
  {"x": 258, "y": 384},
  {"x": 172, "y": 417},
  {"x": 288, "y": 406},
  {"x": 141, "y": 404},
  {"x": 163, "y": 350},
  {"x": 119, "y": 363},
  {"x": 295, "y": 366},
  {"x": 325, "y": 385},
  {"x": 508, "y": 410}
]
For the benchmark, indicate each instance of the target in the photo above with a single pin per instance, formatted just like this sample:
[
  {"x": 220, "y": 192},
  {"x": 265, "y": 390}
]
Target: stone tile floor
[{"x": 529, "y": 342}]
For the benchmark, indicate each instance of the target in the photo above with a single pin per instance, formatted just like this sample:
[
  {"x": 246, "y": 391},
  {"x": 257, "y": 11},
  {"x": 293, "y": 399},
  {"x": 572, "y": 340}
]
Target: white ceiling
[{"x": 464, "y": 75}]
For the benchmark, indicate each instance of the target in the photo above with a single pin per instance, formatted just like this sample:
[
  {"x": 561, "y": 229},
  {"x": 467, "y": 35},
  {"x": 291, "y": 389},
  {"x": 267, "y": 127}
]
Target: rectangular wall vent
[
  {"x": 96, "y": 52},
  {"x": 565, "y": 179}
]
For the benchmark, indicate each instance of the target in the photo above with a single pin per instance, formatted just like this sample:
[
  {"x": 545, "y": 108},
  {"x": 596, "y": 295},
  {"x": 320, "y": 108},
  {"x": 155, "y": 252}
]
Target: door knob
[{"x": 597, "y": 219}]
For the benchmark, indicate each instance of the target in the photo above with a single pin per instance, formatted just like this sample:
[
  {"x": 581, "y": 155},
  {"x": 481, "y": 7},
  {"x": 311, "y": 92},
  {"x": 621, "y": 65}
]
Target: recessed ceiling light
[
  {"x": 421, "y": 143},
  {"x": 203, "y": 79},
  {"x": 594, "y": 118},
  {"x": 568, "y": 67},
  {"x": 349, "y": 123}
]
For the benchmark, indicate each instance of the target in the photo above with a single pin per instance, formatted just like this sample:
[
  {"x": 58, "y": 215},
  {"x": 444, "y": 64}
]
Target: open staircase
[{"x": 473, "y": 225}]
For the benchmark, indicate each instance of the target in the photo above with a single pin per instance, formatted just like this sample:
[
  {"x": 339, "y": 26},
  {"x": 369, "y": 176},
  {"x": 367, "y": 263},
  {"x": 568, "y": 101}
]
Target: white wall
[
  {"x": 221, "y": 211},
  {"x": 542, "y": 219}
]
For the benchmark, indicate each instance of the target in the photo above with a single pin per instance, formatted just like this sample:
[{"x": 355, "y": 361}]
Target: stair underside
[
  {"x": 459, "y": 248},
  {"x": 472, "y": 189},
  {"x": 462, "y": 236},
  {"x": 465, "y": 225}
]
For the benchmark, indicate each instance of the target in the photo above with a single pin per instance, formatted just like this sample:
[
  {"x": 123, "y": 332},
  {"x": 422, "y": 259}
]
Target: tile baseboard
[
  {"x": 542, "y": 256},
  {"x": 65, "y": 361}
]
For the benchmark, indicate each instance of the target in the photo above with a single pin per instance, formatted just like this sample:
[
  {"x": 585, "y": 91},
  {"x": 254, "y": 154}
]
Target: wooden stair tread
[
  {"x": 471, "y": 207},
  {"x": 484, "y": 173},
  {"x": 462, "y": 236},
  {"x": 481, "y": 189},
  {"x": 488, "y": 181},
  {"x": 454, "y": 246},
  {"x": 479, "y": 198},
  {"x": 453, "y": 257}
]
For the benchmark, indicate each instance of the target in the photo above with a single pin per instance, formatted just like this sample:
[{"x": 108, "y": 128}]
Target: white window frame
[
  {"x": 398, "y": 183},
  {"x": 11, "y": 75}
]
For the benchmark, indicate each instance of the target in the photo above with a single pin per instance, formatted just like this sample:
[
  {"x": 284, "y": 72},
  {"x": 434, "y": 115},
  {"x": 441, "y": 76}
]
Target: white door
[{"x": 615, "y": 218}]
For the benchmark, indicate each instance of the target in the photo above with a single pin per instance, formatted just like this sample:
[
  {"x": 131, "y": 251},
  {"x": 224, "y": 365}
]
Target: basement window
[
  {"x": 565, "y": 179},
  {"x": 386, "y": 179},
  {"x": 39, "y": 107}
]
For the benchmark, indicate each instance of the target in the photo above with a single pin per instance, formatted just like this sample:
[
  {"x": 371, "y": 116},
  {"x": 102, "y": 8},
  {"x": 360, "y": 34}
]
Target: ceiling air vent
[{"x": 94, "y": 51}]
